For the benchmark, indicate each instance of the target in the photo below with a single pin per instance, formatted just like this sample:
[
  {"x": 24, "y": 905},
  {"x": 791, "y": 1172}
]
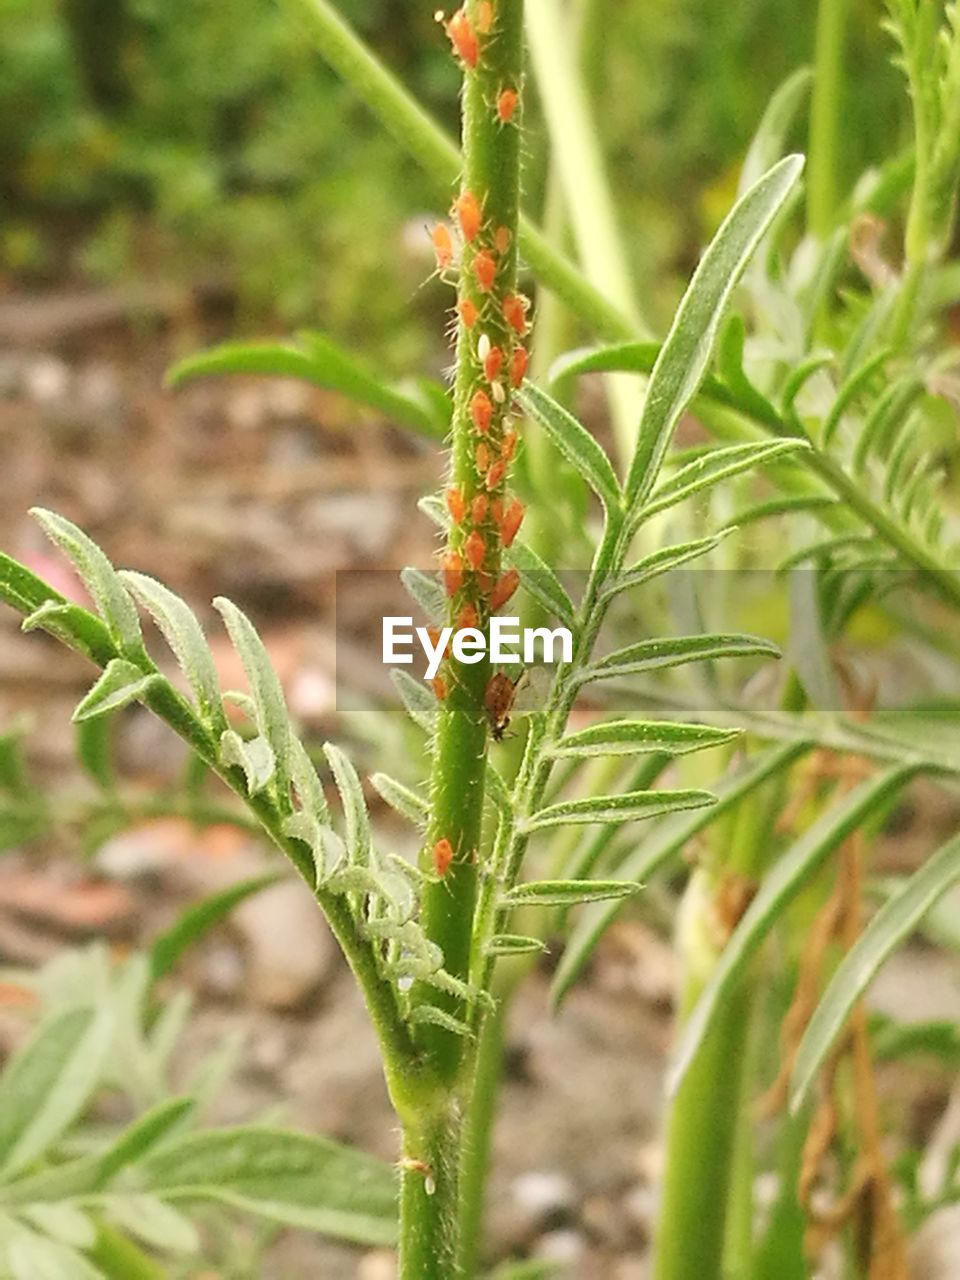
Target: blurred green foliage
[{"x": 192, "y": 138}]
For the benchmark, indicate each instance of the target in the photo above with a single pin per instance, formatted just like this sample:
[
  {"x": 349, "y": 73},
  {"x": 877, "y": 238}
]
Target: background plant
[{"x": 835, "y": 392}]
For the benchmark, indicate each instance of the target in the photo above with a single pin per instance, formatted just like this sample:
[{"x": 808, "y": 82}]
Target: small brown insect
[{"x": 498, "y": 699}]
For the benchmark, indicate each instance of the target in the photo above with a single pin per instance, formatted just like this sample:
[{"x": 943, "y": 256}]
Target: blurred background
[{"x": 176, "y": 172}]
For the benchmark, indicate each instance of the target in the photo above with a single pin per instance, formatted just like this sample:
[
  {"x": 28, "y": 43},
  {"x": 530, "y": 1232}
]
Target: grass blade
[
  {"x": 892, "y": 924},
  {"x": 790, "y": 872}
]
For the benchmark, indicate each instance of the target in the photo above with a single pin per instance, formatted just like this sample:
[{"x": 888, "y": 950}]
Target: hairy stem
[
  {"x": 487, "y": 213},
  {"x": 428, "y": 1196}
]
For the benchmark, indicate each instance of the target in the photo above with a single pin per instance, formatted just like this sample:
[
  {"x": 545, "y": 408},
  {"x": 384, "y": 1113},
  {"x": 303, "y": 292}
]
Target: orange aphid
[
  {"x": 442, "y": 245},
  {"x": 511, "y": 522},
  {"x": 495, "y": 474},
  {"x": 485, "y": 269},
  {"x": 475, "y": 549},
  {"x": 501, "y": 239},
  {"x": 468, "y": 313},
  {"x": 507, "y": 101},
  {"x": 518, "y": 366},
  {"x": 481, "y": 411},
  {"x": 482, "y": 457},
  {"x": 442, "y": 856},
  {"x": 508, "y": 445},
  {"x": 462, "y": 36},
  {"x": 439, "y": 686},
  {"x": 492, "y": 363},
  {"x": 452, "y": 572},
  {"x": 515, "y": 312},
  {"x": 478, "y": 508},
  {"x": 468, "y": 214},
  {"x": 456, "y": 504},
  {"x": 485, "y": 15},
  {"x": 434, "y": 634},
  {"x": 467, "y": 617},
  {"x": 504, "y": 589}
]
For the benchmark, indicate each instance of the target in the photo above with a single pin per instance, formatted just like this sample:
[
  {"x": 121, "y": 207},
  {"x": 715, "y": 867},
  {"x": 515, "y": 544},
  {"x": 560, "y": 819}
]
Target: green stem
[
  {"x": 491, "y": 179},
  {"x": 825, "y": 116},
  {"x": 437, "y": 154},
  {"x": 477, "y": 1134},
  {"x": 428, "y": 1196},
  {"x": 700, "y": 1142}
]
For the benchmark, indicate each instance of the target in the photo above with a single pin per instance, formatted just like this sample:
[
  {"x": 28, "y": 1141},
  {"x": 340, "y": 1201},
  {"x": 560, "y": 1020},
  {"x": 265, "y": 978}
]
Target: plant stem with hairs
[{"x": 489, "y": 355}]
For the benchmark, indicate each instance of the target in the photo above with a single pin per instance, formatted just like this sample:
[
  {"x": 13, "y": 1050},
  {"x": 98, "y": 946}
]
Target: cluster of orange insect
[{"x": 495, "y": 324}]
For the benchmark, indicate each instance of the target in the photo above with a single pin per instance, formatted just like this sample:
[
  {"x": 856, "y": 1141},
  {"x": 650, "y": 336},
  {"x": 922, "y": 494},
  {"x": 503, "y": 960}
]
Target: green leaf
[
  {"x": 674, "y": 651},
  {"x": 101, "y": 580},
  {"x": 199, "y": 919},
  {"x": 307, "y": 782},
  {"x": 628, "y": 807},
  {"x": 92, "y": 1173},
  {"x": 629, "y": 737},
  {"x": 895, "y": 1040},
  {"x": 32, "y": 1257},
  {"x": 891, "y": 926},
  {"x": 408, "y": 803},
  {"x": 434, "y": 1016},
  {"x": 356, "y": 818},
  {"x": 317, "y": 360},
  {"x": 542, "y": 583},
  {"x": 435, "y": 509},
  {"x": 181, "y": 630},
  {"x": 787, "y": 876},
  {"x": 713, "y": 467},
  {"x": 768, "y": 142},
  {"x": 812, "y": 501},
  {"x": 659, "y": 562},
  {"x": 290, "y": 1178},
  {"x": 13, "y": 773},
  {"x": 120, "y": 684},
  {"x": 75, "y": 627},
  {"x": 567, "y": 893},
  {"x": 272, "y": 718},
  {"x": 809, "y": 653},
  {"x": 685, "y": 355},
  {"x": 62, "y": 1222},
  {"x": 94, "y": 743},
  {"x": 664, "y": 842},
  {"x": 417, "y": 698},
  {"x": 513, "y": 944},
  {"x": 139, "y": 1138},
  {"x": 329, "y": 853},
  {"x": 426, "y": 592},
  {"x": 619, "y": 357},
  {"x": 857, "y": 382},
  {"x": 730, "y": 351},
  {"x": 575, "y": 443},
  {"x": 48, "y": 1083},
  {"x": 154, "y": 1223},
  {"x": 253, "y": 755}
]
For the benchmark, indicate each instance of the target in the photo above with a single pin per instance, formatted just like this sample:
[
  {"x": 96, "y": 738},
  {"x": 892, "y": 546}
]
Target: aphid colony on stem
[{"x": 492, "y": 363}]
